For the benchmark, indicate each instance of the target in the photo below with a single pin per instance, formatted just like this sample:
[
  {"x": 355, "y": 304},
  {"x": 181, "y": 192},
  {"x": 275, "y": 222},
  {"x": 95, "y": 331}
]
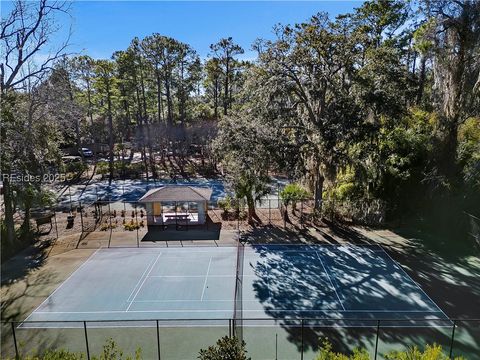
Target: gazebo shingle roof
[{"x": 177, "y": 193}]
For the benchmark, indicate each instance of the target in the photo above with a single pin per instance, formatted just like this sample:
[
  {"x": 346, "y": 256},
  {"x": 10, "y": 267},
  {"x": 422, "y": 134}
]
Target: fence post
[
  {"x": 453, "y": 337},
  {"x": 301, "y": 354},
  {"x": 276, "y": 346},
  {"x": 17, "y": 355},
  {"x": 301, "y": 213},
  {"x": 137, "y": 225},
  {"x": 376, "y": 340},
  {"x": 81, "y": 213},
  {"x": 55, "y": 218},
  {"x": 86, "y": 339},
  {"x": 158, "y": 341},
  {"x": 269, "y": 211}
]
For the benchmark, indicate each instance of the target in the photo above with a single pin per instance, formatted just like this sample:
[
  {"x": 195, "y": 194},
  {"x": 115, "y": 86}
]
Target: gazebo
[{"x": 176, "y": 204}]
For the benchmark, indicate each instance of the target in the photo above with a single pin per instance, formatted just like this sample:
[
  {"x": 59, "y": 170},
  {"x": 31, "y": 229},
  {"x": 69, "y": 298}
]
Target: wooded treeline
[{"x": 379, "y": 104}]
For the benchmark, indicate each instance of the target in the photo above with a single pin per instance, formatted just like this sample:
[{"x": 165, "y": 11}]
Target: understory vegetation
[
  {"x": 230, "y": 348},
  {"x": 374, "y": 109}
]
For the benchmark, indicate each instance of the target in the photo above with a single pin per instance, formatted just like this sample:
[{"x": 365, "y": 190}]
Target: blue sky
[{"x": 102, "y": 27}]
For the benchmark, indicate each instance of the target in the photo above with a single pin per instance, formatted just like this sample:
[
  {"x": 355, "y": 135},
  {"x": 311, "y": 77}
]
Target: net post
[
  {"x": 301, "y": 354},
  {"x": 376, "y": 340},
  {"x": 452, "y": 338},
  {"x": 110, "y": 222},
  {"x": 17, "y": 355},
  {"x": 136, "y": 223},
  {"x": 86, "y": 339},
  {"x": 158, "y": 340}
]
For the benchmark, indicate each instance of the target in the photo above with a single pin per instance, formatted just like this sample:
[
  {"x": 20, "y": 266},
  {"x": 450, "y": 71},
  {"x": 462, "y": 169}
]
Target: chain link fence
[{"x": 265, "y": 338}]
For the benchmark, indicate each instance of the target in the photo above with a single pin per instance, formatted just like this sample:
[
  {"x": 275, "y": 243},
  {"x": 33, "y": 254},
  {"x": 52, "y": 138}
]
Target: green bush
[
  {"x": 293, "y": 193},
  {"x": 110, "y": 352},
  {"x": 227, "y": 348},
  {"x": 326, "y": 353},
  {"x": 431, "y": 352},
  {"x": 75, "y": 167},
  {"x": 225, "y": 204}
]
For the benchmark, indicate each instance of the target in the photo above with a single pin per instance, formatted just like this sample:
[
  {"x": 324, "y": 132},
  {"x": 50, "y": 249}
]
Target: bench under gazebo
[{"x": 176, "y": 204}]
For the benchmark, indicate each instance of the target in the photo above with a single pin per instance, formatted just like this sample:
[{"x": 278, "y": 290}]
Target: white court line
[
  {"x": 206, "y": 278},
  {"x": 123, "y": 312},
  {"x": 245, "y": 310},
  {"x": 143, "y": 282},
  {"x": 190, "y": 276},
  {"x": 64, "y": 281},
  {"x": 329, "y": 279},
  {"x": 141, "y": 277},
  {"x": 418, "y": 285},
  {"x": 181, "y": 300}
]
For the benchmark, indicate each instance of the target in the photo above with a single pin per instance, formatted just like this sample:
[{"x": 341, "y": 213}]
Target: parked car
[
  {"x": 71, "y": 159},
  {"x": 85, "y": 152}
]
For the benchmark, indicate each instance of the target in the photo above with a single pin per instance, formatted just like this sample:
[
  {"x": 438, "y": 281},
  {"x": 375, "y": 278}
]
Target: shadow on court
[{"x": 280, "y": 286}]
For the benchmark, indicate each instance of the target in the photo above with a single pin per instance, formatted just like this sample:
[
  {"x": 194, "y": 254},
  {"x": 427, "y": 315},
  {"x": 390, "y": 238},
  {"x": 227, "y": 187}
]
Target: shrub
[
  {"x": 225, "y": 204},
  {"x": 107, "y": 226},
  {"x": 226, "y": 348},
  {"x": 132, "y": 226},
  {"x": 110, "y": 352},
  {"x": 431, "y": 352},
  {"x": 293, "y": 193},
  {"x": 326, "y": 353}
]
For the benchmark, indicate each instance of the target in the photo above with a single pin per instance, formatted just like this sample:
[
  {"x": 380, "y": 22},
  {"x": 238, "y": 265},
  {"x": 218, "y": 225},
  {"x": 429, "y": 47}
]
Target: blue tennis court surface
[{"x": 279, "y": 282}]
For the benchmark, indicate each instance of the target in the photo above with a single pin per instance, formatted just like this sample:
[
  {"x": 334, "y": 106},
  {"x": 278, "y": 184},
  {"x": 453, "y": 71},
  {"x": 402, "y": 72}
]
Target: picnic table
[{"x": 176, "y": 216}]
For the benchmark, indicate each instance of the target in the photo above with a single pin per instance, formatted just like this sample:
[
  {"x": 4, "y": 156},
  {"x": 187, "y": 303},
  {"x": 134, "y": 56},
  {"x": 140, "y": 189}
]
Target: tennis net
[{"x": 238, "y": 306}]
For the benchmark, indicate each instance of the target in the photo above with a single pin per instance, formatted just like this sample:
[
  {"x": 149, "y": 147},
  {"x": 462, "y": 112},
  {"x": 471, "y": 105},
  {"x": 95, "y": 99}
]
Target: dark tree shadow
[{"x": 288, "y": 288}]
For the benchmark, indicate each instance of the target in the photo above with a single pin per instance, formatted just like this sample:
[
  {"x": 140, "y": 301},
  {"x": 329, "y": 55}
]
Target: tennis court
[{"x": 275, "y": 282}]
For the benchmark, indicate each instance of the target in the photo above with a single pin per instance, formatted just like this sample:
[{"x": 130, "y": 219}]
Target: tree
[
  {"x": 242, "y": 144},
  {"x": 308, "y": 71},
  {"x": 224, "y": 52},
  {"x": 106, "y": 86},
  {"x": 25, "y": 32},
  {"x": 227, "y": 348},
  {"x": 455, "y": 37},
  {"x": 292, "y": 194},
  {"x": 83, "y": 73},
  {"x": 213, "y": 74}
]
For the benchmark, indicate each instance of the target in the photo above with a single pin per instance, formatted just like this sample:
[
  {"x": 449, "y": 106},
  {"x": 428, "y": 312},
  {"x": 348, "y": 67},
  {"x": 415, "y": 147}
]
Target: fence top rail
[{"x": 243, "y": 319}]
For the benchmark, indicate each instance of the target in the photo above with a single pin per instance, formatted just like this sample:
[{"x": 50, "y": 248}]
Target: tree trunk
[
  {"x": 7, "y": 198},
  {"x": 447, "y": 158},
  {"x": 251, "y": 209},
  {"x": 421, "y": 80},
  {"x": 318, "y": 190},
  {"x": 89, "y": 98},
  {"x": 169, "y": 102},
  {"x": 159, "y": 96},
  {"x": 225, "y": 95},
  {"x": 110, "y": 128},
  {"x": 215, "y": 99}
]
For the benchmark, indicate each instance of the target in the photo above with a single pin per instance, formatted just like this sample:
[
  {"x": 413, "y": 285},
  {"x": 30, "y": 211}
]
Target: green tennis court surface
[{"x": 278, "y": 282}]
